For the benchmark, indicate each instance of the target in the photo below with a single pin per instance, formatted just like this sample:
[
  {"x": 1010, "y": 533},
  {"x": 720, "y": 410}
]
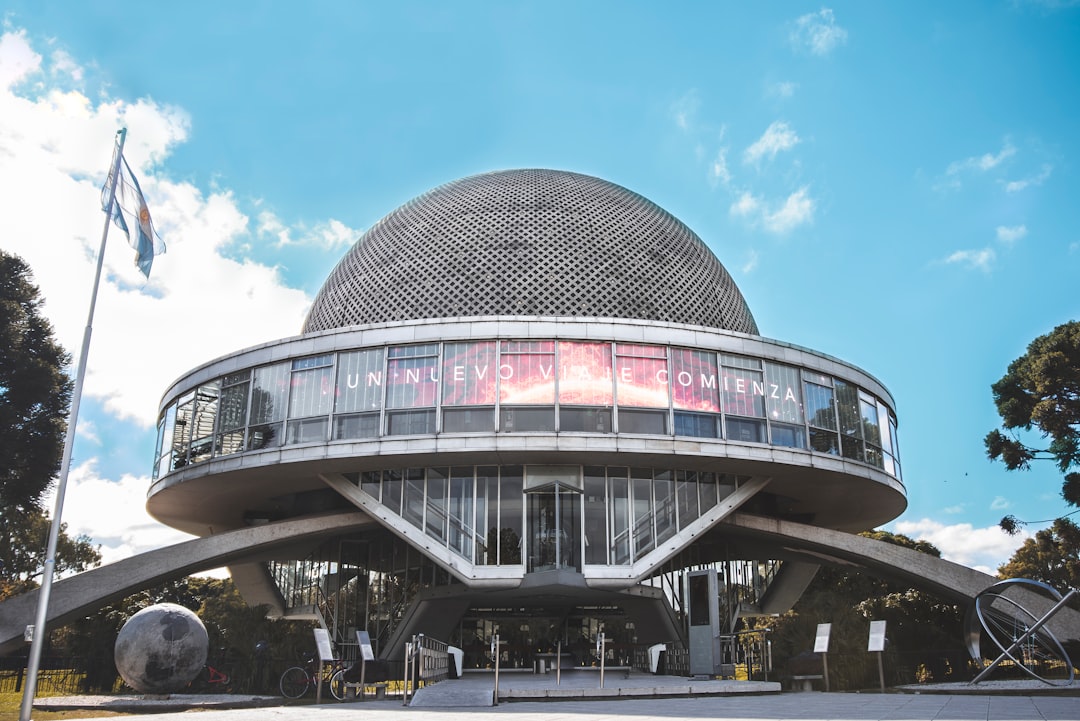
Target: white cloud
[
  {"x": 953, "y": 510},
  {"x": 113, "y": 513},
  {"x": 977, "y": 259},
  {"x": 197, "y": 304},
  {"x": 1009, "y": 235},
  {"x": 1035, "y": 180},
  {"x": 684, "y": 110},
  {"x": 797, "y": 209},
  {"x": 751, "y": 262},
  {"x": 777, "y": 137},
  {"x": 818, "y": 32},
  {"x": 981, "y": 548},
  {"x": 718, "y": 171},
  {"x": 328, "y": 236},
  {"x": 17, "y": 59},
  {"x": 976, "y": 164},
  {"x": 1000, "y": 503},
  {"x": 784, "y": 89}
]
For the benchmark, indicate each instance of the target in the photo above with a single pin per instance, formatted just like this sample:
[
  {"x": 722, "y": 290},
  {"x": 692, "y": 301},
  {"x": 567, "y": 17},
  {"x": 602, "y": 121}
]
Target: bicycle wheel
[
  {"x": 337, "y": 684},
  {"x": 294, "y": 682}
]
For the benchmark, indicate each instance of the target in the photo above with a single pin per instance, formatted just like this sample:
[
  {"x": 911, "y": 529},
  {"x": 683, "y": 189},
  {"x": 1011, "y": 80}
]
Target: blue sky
[{"x": 893, "y": 184}]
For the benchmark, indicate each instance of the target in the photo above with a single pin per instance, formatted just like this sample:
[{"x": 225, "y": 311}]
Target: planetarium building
[{"x": 542, "y": 398}]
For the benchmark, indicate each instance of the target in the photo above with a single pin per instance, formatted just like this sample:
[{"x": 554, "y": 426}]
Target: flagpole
[{"x": 39, "y": 634}]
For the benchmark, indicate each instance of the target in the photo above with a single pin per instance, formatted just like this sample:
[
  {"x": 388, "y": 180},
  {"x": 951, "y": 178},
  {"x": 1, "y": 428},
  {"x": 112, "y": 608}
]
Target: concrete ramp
[{"x": 452, "y": 694}]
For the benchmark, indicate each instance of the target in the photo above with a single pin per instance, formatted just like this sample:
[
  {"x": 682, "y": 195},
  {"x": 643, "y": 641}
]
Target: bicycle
[
  {"x": 211, "y": 680},
  {"x": 296, "y": 681}
]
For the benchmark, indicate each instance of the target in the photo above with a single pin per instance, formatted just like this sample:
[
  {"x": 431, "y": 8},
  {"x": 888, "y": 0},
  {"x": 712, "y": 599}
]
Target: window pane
[
  {"x": 268, "y": 393},
  {"x": 686, "y": 491},
  {"x": 527, "y": 377},
  {"x": 435, "y": 513},
  {"x": 620, "y": 516},
  {"x": 745, "y": 430},
  {"x": 264, "y": 435},
  {"x": 699, "y": 425},
  {"x": 510, "y": 515},
  {"x": 487, "y": 515},
  {"x": 744, "y": 392},
  {"x": 413, "y": 381},
  {"x": 783, "y": 393},
  {"x": 356, "y": 425},
  {"x": 641, "y": 376},
  {"x": 308, "y": 430},
  {"x": 518, "y": 420},
  {"x": 596, "y": 543},
  {"x": 410, "y": 423},
  {"x": 412, "y": 509},
  {"x": 787, "y": 435},
  {"x": 633, "y": 421},
  {"x": 585, "y": 420},
  {"x": 871, "y": 429},
  {"x": 460, "y": 512},
  {"x": 468, "y": 420},
  {"x": 664, "y": 497},
  {"x": 359, "y": 381},
  {"x": 312, "y": 392},
  {"x": 693, "y": 380},
  {"x": 824, "y": 442},
  {"x": 847, "y": 406},
  {"x": 820, "y": 411},
  {"x": 641, "y": 488},
  {"x": 468, "y": 374},
  {"x": 585, "y": 374}
]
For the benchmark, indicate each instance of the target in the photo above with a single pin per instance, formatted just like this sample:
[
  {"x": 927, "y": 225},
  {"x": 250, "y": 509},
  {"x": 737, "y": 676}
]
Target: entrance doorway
[{"x": 554, "y": 528}]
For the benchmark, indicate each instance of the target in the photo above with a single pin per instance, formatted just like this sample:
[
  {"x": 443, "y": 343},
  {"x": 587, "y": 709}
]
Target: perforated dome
[{"x": 530, "y": 243}]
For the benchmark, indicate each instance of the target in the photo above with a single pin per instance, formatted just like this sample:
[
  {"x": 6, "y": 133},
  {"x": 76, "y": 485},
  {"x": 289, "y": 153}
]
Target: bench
[{"x": 805, "y": 683}]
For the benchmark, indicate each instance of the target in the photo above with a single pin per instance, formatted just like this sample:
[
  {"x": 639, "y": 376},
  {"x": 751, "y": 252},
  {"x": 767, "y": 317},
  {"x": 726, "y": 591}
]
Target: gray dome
[{"x": 530, "y": 243}]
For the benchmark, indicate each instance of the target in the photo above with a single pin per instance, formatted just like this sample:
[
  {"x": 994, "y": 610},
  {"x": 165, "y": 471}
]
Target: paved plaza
[{"x": 622, "y": 699}]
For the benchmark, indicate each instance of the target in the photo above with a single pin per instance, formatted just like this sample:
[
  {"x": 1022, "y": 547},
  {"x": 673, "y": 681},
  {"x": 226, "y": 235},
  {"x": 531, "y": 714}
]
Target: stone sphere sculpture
[{"x": 161, "y": 649}]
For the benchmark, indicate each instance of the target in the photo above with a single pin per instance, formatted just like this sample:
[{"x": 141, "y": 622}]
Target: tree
[
  {"x": 34, "y": 391},
  {"x": 1052, "y": 556},
  {"x": 35, "y": 394},
  {"x": 1041, "y": 392},
  {"x": 925, "y": 633}
]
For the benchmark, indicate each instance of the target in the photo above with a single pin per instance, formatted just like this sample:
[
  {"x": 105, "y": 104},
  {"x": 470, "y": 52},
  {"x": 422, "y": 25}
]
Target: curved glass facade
[
  {"x": 526, "y": 386},
  {"x": 547, "y": 516}
]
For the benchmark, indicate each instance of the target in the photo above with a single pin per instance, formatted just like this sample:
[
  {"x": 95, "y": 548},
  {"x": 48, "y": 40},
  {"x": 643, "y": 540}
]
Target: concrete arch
[
  {"x": 945, "y": 579},
  {"x": 80, "y": 595}
]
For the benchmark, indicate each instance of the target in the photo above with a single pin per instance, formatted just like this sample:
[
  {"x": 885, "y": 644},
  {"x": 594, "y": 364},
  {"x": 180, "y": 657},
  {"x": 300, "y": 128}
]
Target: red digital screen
[{"x": 585, "y": 374}]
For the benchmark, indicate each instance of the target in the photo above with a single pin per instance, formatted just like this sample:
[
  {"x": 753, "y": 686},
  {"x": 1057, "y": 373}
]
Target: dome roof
[{"x": 530, "y": 243}]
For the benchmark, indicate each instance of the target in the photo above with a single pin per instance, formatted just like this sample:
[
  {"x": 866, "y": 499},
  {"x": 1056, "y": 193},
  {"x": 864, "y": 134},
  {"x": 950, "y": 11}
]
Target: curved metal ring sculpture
[{"x": 1019, "y": 634}]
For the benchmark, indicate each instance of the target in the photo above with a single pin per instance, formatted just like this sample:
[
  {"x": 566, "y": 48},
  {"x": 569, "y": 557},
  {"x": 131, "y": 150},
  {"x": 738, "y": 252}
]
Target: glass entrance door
[{"x": 554, "y": 529}]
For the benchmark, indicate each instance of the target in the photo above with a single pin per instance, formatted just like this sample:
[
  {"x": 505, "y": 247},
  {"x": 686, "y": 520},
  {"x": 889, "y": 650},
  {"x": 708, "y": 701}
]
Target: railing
[{"x": 427, "y": 660}]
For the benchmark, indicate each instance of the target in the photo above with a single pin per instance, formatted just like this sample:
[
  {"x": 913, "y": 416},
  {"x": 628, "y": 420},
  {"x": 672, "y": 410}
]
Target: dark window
[
  {"x": 266, "y": 435},
  {"x": 356, "y": 425},
  {"x": 586, "y": 420},
  {"x": 654, "y": 422},
  {"x": 788, "y": 435},
  {"x": 824, "y": 442},
  {"x": 699, "y": 425},
  {"x": 468, "y": 420},
  {"x": 410, "y": 423},
  {"x": 745, "y": 430},
  {"x": 516, "y": 420}
]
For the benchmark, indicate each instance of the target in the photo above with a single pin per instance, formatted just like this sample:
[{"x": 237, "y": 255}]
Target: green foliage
[
  {"x": 23, "y": 543},
  {"x": 34, "y": 397},
  {"x": 233, "y": 628},
  {"x": 925, "y": 633},
  {"x": 1052, "y": 556},
  {"x": 34, "y": 391},
  {"x": 1040, "y": 392}
]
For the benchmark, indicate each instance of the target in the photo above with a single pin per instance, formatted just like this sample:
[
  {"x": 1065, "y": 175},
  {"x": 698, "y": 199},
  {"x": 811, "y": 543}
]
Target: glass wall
[
  {"x": 535, "y": 386},
  {"x": 510, "y": 515}
]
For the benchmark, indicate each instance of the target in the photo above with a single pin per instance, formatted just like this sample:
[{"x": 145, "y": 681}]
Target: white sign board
[
  {"x": 821, "y": 639},
  {"x": 364, "y": 640},
  {"x": 877, "y": 636},
  {"x": 322, "y": 645}
]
